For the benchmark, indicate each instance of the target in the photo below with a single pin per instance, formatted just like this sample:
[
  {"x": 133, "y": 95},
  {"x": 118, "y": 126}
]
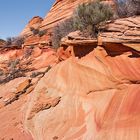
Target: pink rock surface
[
  {"x": 93, "y": 96},
  {"x": 12, "y": 115},
  {"x": 35, "y": 22},
  {"x": 99, "y": 99},
  {"x": 61, "y": 10},
  {"x": 47, "y": 58}
]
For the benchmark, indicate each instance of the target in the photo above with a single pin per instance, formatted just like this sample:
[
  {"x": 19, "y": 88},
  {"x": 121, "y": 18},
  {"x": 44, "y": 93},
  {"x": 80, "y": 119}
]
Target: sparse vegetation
[
  {"x": 13, "y": 63},
  {"x": 18, "y": 41},
  {"x": 61, "y": 30},
  {"x": 31, "y": 47},
  {"x": 37, "y": 31},
  {"x": 14, "y": 71},
  {"x": 35, "y": 74},
  {"x": 34, "y": 31},
  {"x": 86, "y": 18},
  {"x": 126, "y": 8},
  {"x": 1, "y": 40},
  {"x": 8, "y": 41},
  {"x": 28, "y": 53},
  {"x": 1, "y": 72},
  {"x": 42, "y": 32},
  {"x": 32, "y": 28},
  {"x": 14, "y": 42}
]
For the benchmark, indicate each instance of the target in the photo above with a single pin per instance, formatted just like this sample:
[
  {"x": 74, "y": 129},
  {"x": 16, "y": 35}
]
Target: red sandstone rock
[
  {"x": 36, "y": 52},
  {"x": 2, "y": 43},
  {"x": 98, "y": 93},
  {"x": 125, "y": 31},
  {"x": 35, "y": 22},
  {"x": 61, "y": 10},
  {"x": 92, "y": 96},
  {"x": 47, "y": 58}
]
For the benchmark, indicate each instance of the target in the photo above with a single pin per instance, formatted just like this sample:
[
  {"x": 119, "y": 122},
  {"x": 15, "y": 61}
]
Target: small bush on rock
[
  {"x": 38, "y": 32},
  {"x": 1, "y": 72},
  {"x": 13, "y": 63},
  {"x": 14, "y": 41},
  {"x": 14, "y": 71},
  {"x": 89, "y": 15},
  {"x": 34, "y": 31},
  {"x": 18, "y": 41},
  {"x": 86, "y": 18},
  {"x": 28, "y": 53},
  {"x": 61, "y": 30},
  {"x": 41, "y": 33},
  {"x": 8, "y": 41},
  {"x": 126, "y": 8}
]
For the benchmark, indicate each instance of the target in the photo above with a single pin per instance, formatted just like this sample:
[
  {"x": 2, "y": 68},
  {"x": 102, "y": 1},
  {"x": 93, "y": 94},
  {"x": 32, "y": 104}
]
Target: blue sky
[{"x": 15, "y": 14}]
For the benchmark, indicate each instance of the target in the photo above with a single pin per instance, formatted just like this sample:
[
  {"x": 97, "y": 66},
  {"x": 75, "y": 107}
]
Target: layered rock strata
[{"x": 88, "y": 95}]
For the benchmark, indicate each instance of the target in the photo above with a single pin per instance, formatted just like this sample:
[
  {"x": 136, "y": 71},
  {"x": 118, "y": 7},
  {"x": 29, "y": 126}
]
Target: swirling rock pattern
[
  {"x": 90, "y": 95},
  {"x": 99, "y": 99}
]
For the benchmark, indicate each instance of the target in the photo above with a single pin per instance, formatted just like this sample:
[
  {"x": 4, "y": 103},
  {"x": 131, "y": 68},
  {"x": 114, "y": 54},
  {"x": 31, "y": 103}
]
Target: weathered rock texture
[
  {"x": 35, "y": 22},
  {"x": 2, "y": 42},
  {"x": 87, "y": 90},
  {"x": 61, "y": 10},
  {"x": 92, "y": 95},
  {"x": 99, "y": 99},
  {"x": 125, "y": 31},
  {"x": 99, "y": 94}
]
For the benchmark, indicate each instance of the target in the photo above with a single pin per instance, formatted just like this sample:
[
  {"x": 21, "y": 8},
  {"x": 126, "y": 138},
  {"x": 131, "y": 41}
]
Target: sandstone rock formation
[
  {"x": 99, "y": 95},
  {"x": 125, "y": 31},
  {"x": 90, "y": 95},
  {"x": 99, "y": 99},
  {"x": 35, "y": 22},
  {"x": 2, "y": 42},
  {"x": 61, "y": 10},
  {"x": 86, "y": 90}
]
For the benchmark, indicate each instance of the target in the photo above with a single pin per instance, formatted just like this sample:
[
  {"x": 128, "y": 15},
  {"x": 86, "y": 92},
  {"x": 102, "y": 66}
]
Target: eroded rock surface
[
  {"x": 99, "y": 99},
  {"x": 35, "y": 22},
  {"x": 74, "y": 94},
  {"x": 125, "y": 31}
]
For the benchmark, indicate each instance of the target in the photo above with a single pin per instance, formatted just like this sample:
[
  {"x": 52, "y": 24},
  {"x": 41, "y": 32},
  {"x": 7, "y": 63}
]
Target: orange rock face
[
  {"x": 91, "y": 96},
  {"x": 61, "y": 10},
  {"x": 99, "y": 99},
  {"x": 35, "y": 22},
  {"x": 88, "y": 90}
]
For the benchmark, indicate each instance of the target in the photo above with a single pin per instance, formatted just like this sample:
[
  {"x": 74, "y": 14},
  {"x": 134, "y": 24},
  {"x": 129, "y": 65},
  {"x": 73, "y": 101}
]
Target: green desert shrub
[
  {"x": 61, "y": 30},
  {"x": 18, "y": 41},
  {"x": 35, "y": 74},
  {"x": 37, "y": 31},
  {"x": 34, "y": 31},
  {"x": 13, "y": 63},
  {"x": 86, "y": 18},
  {"x": 8, "y": 41},
  {"x": 28, "y": 52},
  {"x": 42, "y": 32},
  {"x": 1, "y": 40},
  {"x": 126, "y": 8},
  {"x": 1, "y": 72},
  {"x": 32, "y": 28},
  {"x": 14, "y": 41},
  {"x": 13, "y": 71}
]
